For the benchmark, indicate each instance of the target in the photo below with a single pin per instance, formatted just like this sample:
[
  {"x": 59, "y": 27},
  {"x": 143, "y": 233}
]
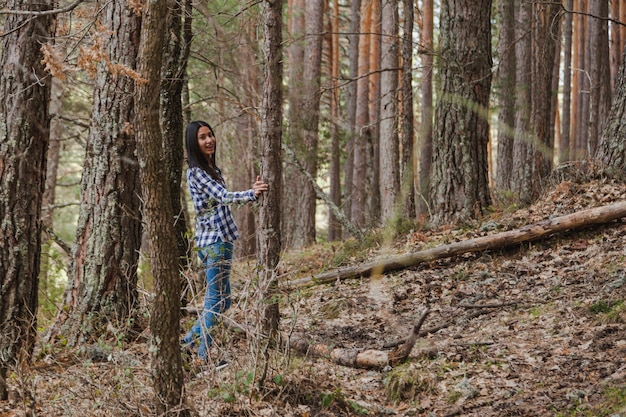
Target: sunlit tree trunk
[
  {"x": 426, "y": 126},
  {"x": 24, "y": 137},
  {"x": 166, "y": 362},
  {"x": 102, "y": 278},
  {"x": 460, "y": 186},
  {"x": 389, "y": 146}
]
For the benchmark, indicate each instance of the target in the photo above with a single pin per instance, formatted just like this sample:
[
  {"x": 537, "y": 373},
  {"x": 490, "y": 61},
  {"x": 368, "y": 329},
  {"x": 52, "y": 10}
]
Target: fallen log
[{"x": 573, "y": 221}]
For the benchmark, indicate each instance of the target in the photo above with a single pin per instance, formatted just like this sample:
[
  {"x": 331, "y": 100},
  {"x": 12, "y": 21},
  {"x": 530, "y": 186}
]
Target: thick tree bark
[
  {"x": 24, "y": 137},
  {"x": 612, "y": 148},
  {"x": 460, "y": 185},
  {"x": 389, "y": 146},
  {"x": 102, "y": 278},
  {"x": 531, "y": 232},
  {"x": 167, "y": 372}
]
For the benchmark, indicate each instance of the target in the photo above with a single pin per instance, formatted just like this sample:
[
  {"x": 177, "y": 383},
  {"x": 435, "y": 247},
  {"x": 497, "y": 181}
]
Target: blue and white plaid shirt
[{"x": 214, "y": 220}]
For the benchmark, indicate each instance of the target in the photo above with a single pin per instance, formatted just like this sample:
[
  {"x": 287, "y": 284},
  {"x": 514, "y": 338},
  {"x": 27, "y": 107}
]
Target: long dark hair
[{"x": 195, "y": 158}]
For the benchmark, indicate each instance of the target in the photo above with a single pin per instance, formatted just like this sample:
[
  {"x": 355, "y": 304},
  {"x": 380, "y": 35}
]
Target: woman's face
[{"x": 206, "y": 142}]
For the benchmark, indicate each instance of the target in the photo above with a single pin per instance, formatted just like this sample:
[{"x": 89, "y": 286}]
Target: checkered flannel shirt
[{"x": 214, "y": 220}]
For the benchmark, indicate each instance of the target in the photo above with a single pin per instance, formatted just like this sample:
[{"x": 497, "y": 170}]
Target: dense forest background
[{"x": 362, "y": 116}]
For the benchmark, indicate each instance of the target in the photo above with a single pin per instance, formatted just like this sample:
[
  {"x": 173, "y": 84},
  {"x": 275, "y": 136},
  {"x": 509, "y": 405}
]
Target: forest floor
[{"x": 553, "y": 342}]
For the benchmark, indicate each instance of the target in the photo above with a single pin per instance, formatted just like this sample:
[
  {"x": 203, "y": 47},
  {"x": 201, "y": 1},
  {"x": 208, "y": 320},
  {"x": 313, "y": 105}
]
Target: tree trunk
[
  {"x": 294, "y": 200},
  {"x": 407, "y": 166},
  {"x": 354, "y": 39},
  {"x": 158, "y": 214},
  {"x": 460, "y": 167},
  {"x": 564, "y": 145},
  {"x": 612, "y": 148},
  {"x": 506, "y": 96},
  {"x": 616, "y": 42},
  {"x": 389, "y": 146},
  {"x": 24, "y": 137},
  {"x": 102, "y": 277},
  {"x": 426, "y": 127},
  {"x": 374, "y": 111},
  {"x": 360, "y": 182},
  {"x": 334, "y": 228},
  {"x": 269, "y": 232},
  {"x": 582, "y": 128},
  {"x": 176, "y": 54},
  {"x": 599, "y": 72}
]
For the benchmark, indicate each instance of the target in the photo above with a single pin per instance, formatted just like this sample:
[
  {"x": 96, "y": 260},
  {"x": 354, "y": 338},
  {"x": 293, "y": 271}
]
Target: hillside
[{"x": 534, "y": 330}]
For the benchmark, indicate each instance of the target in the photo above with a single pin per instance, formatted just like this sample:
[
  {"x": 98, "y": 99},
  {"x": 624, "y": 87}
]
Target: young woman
[{"x": 215, "y": 227}]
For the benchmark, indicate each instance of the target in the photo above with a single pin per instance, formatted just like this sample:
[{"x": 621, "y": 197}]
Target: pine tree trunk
[
  {"x": 426, "y": 128},
  {"x": 269, "y": 228},
  {"x": 389, "y": 146},
  {"x": 167, "y": 372},
  {"x": 102, "y": 278},
  {"x": 407, "y": 166},
  {"x": 24, "y": 137},
  {"x": 564, "y": 145},
  {"x": 176, "y": 54},
  {"x": 599, "y": 72},
  {"x": 373, "y": 150},
  {"x": 506, "y": 95},
  {"x": 334, "y": 227},
  {"x": 460, "y": 166},
  {"x": 360, "y": 181},
  {"x": 612, "y": 148}
]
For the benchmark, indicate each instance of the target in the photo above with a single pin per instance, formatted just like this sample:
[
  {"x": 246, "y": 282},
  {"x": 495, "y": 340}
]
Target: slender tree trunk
[
  {"x": 506, "y": 95},
  {"x": 407, "y": 166},
  {"x": 524, "y": 152},
  {"x": 582, "y": 128},
  {"x": 294, "y": 200},
  {"x": 158, "y": 214},
  {"x": 564, "y": 145},
  {"x": 360, "y": 181},
  {"x": 334, "y": 227},
  {"x": 460, "y": 166},
  {"x": 310, "y": 116},
  {"x": 616, "y": 42},
  {"x": 599, "y": 72},
  {"x": 374, "y": 110},
  {"x": 389, "y": 146},
  {"x": 269, "y": 236},
  {"x": 426, "y": 128},
  {"x": 354, "y": 39},
  {"x": 24, "y": 136},
  {"x": 102, "y": 278},
  {"x": 576, "y": 82},
  {"x": 176, "y": 54}
]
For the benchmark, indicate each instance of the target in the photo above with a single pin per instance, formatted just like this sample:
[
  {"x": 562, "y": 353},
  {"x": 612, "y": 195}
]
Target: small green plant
[{"x": 608, "y": 311}]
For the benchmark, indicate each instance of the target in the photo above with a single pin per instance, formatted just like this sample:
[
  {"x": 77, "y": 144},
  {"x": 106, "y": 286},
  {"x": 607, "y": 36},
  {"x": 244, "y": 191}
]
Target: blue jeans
[{"x": 217, "y": 260}]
